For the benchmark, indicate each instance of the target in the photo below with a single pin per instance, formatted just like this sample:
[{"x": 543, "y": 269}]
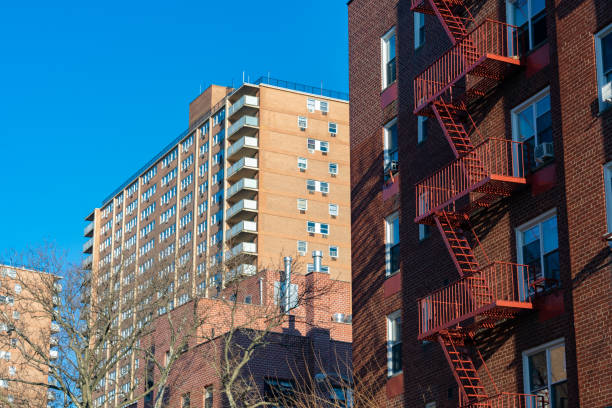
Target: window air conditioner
[
  {"x": 606, "y": 92},
  {"x": 544, "y": 151},
  {"x": 392, "y": 166}
]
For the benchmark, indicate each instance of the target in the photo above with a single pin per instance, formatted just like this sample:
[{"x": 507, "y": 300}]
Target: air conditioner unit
[
  {"x": 606, "y": 92},
  {"x": 543, "y": 151}
]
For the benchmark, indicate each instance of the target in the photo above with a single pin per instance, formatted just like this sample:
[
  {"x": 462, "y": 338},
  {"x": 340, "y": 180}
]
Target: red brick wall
[{"x": 583, "y": 143}]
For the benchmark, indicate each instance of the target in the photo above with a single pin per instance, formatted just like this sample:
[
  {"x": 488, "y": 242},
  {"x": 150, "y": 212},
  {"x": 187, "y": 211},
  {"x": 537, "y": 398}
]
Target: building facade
[
  {"x": 481, "y": 271},
  {"x": 261, "y": 173},
  {"x": 27, "y": 338}
]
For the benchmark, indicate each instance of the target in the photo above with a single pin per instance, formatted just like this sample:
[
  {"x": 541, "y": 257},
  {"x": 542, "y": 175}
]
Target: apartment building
[
  {"x": 261, "y": 173},
  {"x": 481, "y": 149},
  {"x": 24, "y": 324}
]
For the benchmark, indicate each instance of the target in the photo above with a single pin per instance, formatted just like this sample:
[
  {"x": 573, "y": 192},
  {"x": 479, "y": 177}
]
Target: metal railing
[
  {"x": 248, "y": 100},
  {"x": 88, "y": 245},
  {"x": 242, "y": 184},
  {"x": 243, "y": 248},
  {"x": 242, "y": 226},
  {"x": 489, "y": 38},
  {"x": 88, "y": 228},
  {"x": 493, "y": 157},
  {"x": 302, "y": 88},
  {"x": 243, "y": 121},
  {"x": 248, "y": 141},
  {"x": 510, "y": 400},
  {"x": 242, "y": 163},
  {"x": 241, "y": 205},
  {"x": 461, "y": 300}
]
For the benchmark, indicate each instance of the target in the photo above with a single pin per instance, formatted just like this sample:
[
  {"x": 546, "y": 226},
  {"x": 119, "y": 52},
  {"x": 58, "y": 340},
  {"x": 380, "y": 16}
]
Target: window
[
  {"x": 313, "y": 144},
  {"x": 333, "y": 128},
  {"x": 333, "y": 252},
  {"x": 317, "y": 228},
  {"x": 603, "y": 57},
  {"x": 302, "y": 163},
  {"x": 424, "y": 232},
  {"x": 608, "y": 189},
  {"x": 538, "y": 247},
  {"x": 315, "y": 104},
  {"x": 394, "y": 343},
  {"x": 17, "y": 289},
  {"x": 392, "y": 244},
  {"x": 302, "y": 247},
  {"x": 422, "y": 129},
  {"x": 390, "y": 144},
  {"x": 544, "y": 373},
  {"x": 531, "y": 124},
  {"x": 333, "y": 169},
  {"x": 388, "y": 58},
  {"x": 333, "y": 210},
  {"x": 208, "y": 397},
  {"x": 530, "y": 17},
  {"x": 302, "y": 122},
  {"x": 302, "y": 204},
  {"x": 315, "y": 185},
  {"x": 419, "y": 30}
]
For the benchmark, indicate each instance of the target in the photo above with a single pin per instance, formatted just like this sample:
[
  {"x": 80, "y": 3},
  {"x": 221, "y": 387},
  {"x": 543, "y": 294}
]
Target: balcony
[
  {"x": 245, "y": 126},
  {"x": 245, "y": 188},
  {"x": 497, "y": 291},
  {"x": 246, "y": 146},
  {"x": 243, "y": 249},
  {"x": 242, "y": 270},
  {"x": 248, "y": 105},
  {"x": 244, "y": 89},
  {"x": 88, "y": 231},
  {"x": 494, "y": 169},
  {"x": 243, "y": 209},
  {"x": 245, "y": 167},
  {"x": 88, "y": 246},
  {"x": 487, "y": 53},
  {"x": 510, "y": 400},
  {"x": 87, "y": 262},
  {"x": 242, "y": 230}
]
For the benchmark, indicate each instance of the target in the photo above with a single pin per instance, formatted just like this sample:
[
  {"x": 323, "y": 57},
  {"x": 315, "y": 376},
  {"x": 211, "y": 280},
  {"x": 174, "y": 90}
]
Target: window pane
[
  {"x": 549, "y": 233},
  {"x": 537, "y": 6},
  {"x": 606, "y": 51},
  {"x": 538, "y": 377},
  {"x": 526, "y": 126},
  {"x": 557, "y": 364},
  {"x": 531, "y": 235},
  {"x": 551, "y": 265},
  {"x": 395, "y": 231},
  {"x": 538, "y": 26},
  {"x": 391, "y": 48},
  {"x": 559, "y": 395},
  {"x": 520, "y": 12}
]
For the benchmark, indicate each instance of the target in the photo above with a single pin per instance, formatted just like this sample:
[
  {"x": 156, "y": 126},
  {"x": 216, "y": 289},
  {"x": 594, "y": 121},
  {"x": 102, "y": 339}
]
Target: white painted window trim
[
  {"x": 418, "y": 18},
  {"x": 387, "y": 141},
  {"x": 599, "y": 64},
  {"x": 390, "y": 319},
  {"x": 388, "y": 238},
  {"x": 534, "y": 350},
  {"x": 384, "y": 56},
  {"x": 510, "y": 20}
]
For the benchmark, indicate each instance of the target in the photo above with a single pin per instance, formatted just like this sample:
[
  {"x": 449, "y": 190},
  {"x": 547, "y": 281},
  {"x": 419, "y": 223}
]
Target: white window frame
[
  {"x": 333, "y": 169},
  {"x": 311, "y": 105},
  {"x": 608, "y": 194},
  {"x": 333, "y": 251},
  {"x": 302, "y": 163},
  {"x": 333, "y": 128},
  {"x": 391, "y": 319},
  {"x": 387, "y": 141},
  {"x": 384, "y": 53},
  {"x": 302, "y": 248},
  {"x": 388, "y": 241},
  {"x": 421, "y": 129},
  {"x": 525, "y": 357},
  {"x": 519, "y": 240},
  {"x": 514, "y": 114},
  {"x": 599, "y": 63},
  {"x": 302, "y": 122},
  {"x": 510, "y": 18},
  {"x": 419, "y": 22},
  {"x": 302, "y": 204},
  {"x": 333, "y": 210}
]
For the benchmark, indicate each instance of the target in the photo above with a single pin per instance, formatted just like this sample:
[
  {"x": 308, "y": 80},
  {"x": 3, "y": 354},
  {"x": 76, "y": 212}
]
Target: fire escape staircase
[{"x": 484, "y": 171}]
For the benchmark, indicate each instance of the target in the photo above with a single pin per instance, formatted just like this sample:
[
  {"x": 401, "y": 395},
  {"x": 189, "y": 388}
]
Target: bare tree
[{"x": 100, "y": 329}]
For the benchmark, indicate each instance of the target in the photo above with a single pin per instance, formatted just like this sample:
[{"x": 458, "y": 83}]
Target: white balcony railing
[
  {"x": 88, "y": 245},
  {"x": 242, "y": 270},
  {"x": 248, "y": 248},
  {"x": 88, "y": 229},
  {"x": 245, "y": 183},
  {"x": 245, "y": 141},
  {"x": 241, "y": 206},
  {"x": 250, "y": 121},
  {"x": 87, "y": 262},
  {"x": 242, "y": 226},
  {"x": 244, "y": 163},
  {"x": 246, "y": 100}
]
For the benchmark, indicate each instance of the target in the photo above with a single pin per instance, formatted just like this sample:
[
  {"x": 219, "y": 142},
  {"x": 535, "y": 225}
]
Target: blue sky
[{"x": 79, "y": 82}]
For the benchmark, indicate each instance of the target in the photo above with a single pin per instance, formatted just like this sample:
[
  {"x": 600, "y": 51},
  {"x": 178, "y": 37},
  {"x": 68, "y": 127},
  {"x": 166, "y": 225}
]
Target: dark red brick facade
[{"x": 580, "y": 311}]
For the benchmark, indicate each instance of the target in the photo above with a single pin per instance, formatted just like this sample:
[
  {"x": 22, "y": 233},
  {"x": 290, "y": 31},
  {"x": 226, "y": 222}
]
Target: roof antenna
[{"x": 243, "y": 76}]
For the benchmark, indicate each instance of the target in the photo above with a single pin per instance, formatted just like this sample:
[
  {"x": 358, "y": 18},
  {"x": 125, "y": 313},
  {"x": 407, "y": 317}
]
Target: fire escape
[{"x": 484, "y": 171}]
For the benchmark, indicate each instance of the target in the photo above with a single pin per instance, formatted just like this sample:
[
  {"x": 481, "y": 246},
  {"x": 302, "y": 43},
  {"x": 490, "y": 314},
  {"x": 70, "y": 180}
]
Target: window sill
[
  {"x": 388, "y": 86},
  {"x": 392, "y": 274},
  {"x": 389, "y": 376}
]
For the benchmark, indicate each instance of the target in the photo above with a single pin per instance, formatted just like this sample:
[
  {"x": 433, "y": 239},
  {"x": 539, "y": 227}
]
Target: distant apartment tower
[
  {"x": 23, "y": 321},
  {"x": 262, "y": 172}
]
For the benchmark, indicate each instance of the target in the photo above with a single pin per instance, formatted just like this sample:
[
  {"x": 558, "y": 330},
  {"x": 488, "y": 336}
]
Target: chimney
[
  {"x": 316, "y": 258},
  {"x": 287, "y": 260}
]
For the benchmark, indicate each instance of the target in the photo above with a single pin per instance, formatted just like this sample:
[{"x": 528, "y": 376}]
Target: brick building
[
  {"x": 481, "y": 271},
  {"x": 261, "y": 172}
]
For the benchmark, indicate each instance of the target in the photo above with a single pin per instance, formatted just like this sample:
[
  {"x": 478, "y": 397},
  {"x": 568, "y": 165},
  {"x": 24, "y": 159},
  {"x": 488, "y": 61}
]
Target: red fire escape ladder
[
  {"x": 464, "y": 371},
  {"x": 457, "y": 244},
  {"x": 452, "y": 23}
]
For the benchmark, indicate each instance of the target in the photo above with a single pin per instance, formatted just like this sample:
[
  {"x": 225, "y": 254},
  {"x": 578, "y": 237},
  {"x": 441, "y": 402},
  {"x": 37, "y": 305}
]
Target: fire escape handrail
[
  {"x": 517, "y": 399},
  {"x": 489, "y": 37},
  {"x": 494, "y": 156}
]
